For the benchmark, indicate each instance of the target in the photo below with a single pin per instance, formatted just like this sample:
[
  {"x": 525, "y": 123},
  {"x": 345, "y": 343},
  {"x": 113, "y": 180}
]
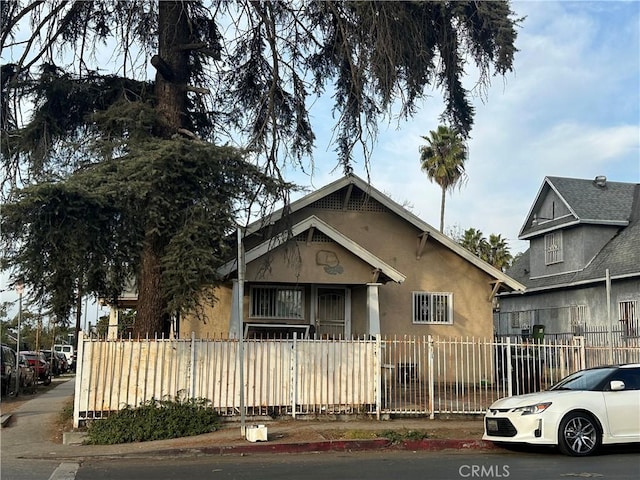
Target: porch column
[
  {"x": 235, "y": 323},
  {"x": 373, "y": 309},
  {"x": 112, "y": 330}
]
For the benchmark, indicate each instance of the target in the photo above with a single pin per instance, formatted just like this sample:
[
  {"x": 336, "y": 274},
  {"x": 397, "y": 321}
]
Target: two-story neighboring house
[{"x": 582, "y": 267}]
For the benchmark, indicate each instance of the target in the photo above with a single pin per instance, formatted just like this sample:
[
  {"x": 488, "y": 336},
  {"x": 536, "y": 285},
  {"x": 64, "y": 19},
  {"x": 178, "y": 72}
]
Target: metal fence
[{"x": 417, "y": 375}]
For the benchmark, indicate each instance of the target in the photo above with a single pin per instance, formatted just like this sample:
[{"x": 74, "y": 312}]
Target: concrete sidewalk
[{"x": 28, "y": 434}]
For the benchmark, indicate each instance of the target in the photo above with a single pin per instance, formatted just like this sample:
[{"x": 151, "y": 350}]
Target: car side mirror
[{"x": 616, "y": 385}]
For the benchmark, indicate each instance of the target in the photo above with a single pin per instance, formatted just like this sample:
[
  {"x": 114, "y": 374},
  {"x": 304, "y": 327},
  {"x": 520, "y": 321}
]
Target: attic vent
[
  {"x": 600, "y": 181},
  {"x": 317, "y": 236},
  {"x": 358, "y": 201}
]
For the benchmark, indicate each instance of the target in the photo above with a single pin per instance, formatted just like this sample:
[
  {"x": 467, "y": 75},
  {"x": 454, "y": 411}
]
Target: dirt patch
[{"x": 435, "y": 433}]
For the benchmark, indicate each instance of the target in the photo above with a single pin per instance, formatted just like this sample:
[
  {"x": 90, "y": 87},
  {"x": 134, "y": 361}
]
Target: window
[
  {"x": 578, "y": 318},
  {"x": 432, "y": 307},
  {"x": 277, "y": 302},
  {"x": 522, "y": 319},
  {"x": 629, "y": 318},
  {"x": 553, "y": 248},
  {"x": 630, "y": 377}
]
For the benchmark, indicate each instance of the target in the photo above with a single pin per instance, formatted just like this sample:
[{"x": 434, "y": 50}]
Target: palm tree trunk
[{"x": 444, "y": 191}]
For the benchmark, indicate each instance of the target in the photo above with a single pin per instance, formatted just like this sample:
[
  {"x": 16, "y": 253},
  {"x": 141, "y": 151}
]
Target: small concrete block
[
  {"x": 256, "y": 433},
  {"x": 73, "y": 438}
]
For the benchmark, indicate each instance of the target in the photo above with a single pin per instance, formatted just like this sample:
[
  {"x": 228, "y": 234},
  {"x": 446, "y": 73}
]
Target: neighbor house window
[
  {"x": 432, "y": 307},
  {"x": 578, "y": 318},
  {"x": 280, "y": 302},
  {"x": 521, "y": 319},
  {"x": 629, "y": 318},
  {"x": 553, "y": 248}
]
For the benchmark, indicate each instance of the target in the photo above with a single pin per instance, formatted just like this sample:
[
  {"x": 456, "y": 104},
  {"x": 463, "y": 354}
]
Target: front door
[{"x": 331, "y": 313}]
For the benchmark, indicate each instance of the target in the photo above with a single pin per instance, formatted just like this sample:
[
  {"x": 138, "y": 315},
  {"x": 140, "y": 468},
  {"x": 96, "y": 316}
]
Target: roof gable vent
[{"x": 600, "y": 181}]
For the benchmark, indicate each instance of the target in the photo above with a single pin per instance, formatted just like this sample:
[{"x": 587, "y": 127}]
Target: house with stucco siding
[{"x": 346, "y": 260}]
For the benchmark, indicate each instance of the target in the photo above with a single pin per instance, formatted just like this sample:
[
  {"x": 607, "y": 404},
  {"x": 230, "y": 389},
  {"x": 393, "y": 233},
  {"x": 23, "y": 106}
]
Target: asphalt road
[{"x": 545, "y": 465}]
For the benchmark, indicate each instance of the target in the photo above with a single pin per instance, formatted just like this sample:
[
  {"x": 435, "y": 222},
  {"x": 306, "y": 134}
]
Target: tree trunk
[
  {"x": 444, "y": 191},
  {"x": 151, "y": 305},
  {"x": 171, "y": 87}
]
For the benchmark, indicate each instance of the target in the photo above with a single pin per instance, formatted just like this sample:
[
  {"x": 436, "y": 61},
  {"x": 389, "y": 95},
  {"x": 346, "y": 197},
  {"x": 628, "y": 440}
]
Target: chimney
[{"x": 600, "y": 181}]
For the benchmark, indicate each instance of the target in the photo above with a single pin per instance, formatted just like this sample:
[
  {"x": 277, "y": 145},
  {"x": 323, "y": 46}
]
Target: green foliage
[
  {"x": 399, "y": 436},
  {"x": 88, "y": 231},
  {"x": 495, "y": 251},
  {"x": 154, "y": 420}
]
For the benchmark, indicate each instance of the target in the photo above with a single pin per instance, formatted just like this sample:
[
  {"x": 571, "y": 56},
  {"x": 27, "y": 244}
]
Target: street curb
[
  {"x": 355, "y": 445},
  {"x": 431, "y": 445}
]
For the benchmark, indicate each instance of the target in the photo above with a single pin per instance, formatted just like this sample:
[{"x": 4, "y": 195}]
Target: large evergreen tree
[{"x": 115, "y": 173}]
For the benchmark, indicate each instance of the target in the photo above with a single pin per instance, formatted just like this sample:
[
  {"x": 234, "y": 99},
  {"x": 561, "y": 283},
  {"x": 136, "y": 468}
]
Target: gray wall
[{"x": 552, "y": 309}]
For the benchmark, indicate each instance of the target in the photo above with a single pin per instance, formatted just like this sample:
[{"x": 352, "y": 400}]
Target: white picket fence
[{"x": 382, "y": 376}]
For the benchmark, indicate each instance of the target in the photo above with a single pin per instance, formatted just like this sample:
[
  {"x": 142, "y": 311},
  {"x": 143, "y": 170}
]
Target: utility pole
[{"x": 19, "y": 289}]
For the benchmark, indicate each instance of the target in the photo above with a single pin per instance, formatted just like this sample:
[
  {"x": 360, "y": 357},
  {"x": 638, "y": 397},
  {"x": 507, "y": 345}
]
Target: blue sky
[{"x": 570, "y": 108}]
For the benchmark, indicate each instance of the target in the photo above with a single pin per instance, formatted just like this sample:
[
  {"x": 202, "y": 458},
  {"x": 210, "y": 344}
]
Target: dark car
[
  {"x": 64, "y": 364},
  {"x": 26, "y": 374},
  {"x": 39, "y": 363},
  {"x": 7, "y": 368},
  {"x": 54, "y": 361}
]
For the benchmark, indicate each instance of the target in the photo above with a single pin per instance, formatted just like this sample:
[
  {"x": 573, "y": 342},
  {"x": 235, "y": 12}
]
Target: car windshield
[{"x": 583, "y": 380}]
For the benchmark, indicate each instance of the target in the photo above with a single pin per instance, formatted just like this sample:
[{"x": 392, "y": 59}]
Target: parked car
[
  {"x": 580, "y": 413},
  {"x": 26, "y": 375},
  {"x": 39, "y": 363},
  {"x": 57, "y": 367},
  {"x": 63, "y": 361},
  {"x": 69, "y": 352},
  {"x": 7, "y": 368},
  {"x": 28, "y": 378}
]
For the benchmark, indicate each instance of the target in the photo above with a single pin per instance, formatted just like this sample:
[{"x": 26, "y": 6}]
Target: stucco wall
[{"x": 393, "y": 240}]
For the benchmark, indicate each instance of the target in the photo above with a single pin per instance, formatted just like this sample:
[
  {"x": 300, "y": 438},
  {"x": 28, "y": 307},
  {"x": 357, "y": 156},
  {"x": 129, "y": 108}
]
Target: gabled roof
[
  {"x": 353, "y": 181},
  {"x": 621, "y": 256},
  {"x": 597, "y": 202},
  {"x": 314, "y": 222}
]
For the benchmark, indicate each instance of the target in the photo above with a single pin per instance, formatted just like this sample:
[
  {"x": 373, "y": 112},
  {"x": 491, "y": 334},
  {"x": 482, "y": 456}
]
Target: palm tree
[
  {"x": 474, "y": 241},
  {"x": 442, "y": 159},
  {"x": 499, "y": 254}
]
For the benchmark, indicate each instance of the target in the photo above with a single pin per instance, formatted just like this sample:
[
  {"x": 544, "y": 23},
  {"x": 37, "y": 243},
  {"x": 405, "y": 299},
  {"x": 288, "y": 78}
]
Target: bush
[{"x": 154, "y": 420}]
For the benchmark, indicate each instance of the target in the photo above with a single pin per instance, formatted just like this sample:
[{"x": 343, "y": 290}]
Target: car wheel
[
  {"x": 47, "y": 380},
  {"x": 579, "y": 435}
]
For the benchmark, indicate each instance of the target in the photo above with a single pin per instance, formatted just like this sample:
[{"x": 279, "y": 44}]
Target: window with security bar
[
  {"x": 432, "y": 308},
  {"x": 522, "y": 319},
  {"x": 281, "y": 302},
  {"x": 578, "y": 318},
  {"x": 629, "y": 318},
  {"x": 553, "y": 248}
]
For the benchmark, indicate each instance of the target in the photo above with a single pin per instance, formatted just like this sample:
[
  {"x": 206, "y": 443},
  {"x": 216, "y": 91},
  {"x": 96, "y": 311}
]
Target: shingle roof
[{"x": 590, "y": 202}]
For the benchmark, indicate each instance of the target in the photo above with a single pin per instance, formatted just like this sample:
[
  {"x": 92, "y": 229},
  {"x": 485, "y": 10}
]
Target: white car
[{"x": 581, "y": 412}]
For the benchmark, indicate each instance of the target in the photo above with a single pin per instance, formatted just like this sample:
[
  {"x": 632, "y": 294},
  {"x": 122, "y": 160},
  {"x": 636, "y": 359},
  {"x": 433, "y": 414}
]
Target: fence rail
[{"x": 414, "y": 375}]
